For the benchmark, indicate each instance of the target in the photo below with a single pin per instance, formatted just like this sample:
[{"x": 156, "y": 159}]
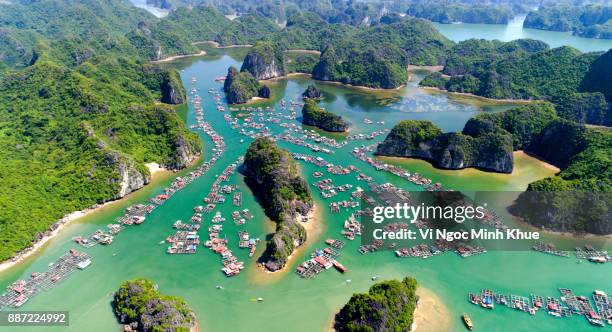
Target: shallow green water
[
  {"x": 514, "y": 30},
  {"x": 291, "y": 303}
]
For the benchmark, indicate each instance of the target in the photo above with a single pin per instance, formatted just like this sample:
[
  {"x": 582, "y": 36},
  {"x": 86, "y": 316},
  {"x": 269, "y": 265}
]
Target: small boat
[
  {"x": 260, "y": 299},
  {"x": 467, "y": 321}
]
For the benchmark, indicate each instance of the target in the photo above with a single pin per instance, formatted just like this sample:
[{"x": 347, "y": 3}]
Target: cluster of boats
[
  {"x": 18, "y": 293},
  {"x": 586, "y": 252},
  {"x": 567, "y": 305},
  {"x": 231, "y": 265},
  {"x": 361, "y": 153},
  {"x": 320, "y": 260}
]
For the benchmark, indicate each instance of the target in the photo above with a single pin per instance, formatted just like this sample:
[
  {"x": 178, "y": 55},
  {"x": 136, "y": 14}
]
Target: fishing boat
[{"x": 467, "y": 321}]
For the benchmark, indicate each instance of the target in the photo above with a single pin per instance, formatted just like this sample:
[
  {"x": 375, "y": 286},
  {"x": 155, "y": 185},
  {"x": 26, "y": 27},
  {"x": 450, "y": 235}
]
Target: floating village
[
  {"x": 185, "y": 236},
  {"x": 567, "y": 305},
  {"x": 18, "y": 293}
]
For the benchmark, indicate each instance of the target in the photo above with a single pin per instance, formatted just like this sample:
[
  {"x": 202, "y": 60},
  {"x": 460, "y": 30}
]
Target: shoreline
[
  {"x": 176, "y": 57},
  {"x": 563, "y": 234},
  {"x": 54, "y": 229},
  {"x": 545, "y": 163},
  {"x": 312, "y": 234},
  {"x": 515, "y": 154},
  {"x": 491, "y": 100},
  {"x": 303, "y": 51},
  {"x": 289, "y": 75},
  {"x": 430, "y": 314},
  {"x": 428, "y": 68},
  {"x": 217, "y": 45}
]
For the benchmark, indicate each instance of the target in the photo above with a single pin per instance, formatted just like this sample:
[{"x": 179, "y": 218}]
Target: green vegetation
[
  {"x": 247, "y": 29},
  {"x": 527, "y": 69},
  {"x": 479, "y": 145},
  {"x": 453, "y": 13},
  {"x": 300, "y": 62},
  {"x": 585, "y": 108},
  {"x": 337, "y": 11},
  {"x": 273, "y": 176},
  {"x": 375, "y": 56},
  {"x": 240, "y": 87},
  {"x": 313, "y": 115},
  {"x": 523, "y": 122},
  {"x": 311, "y": 92},
  {"x": 597, "y": 79},
  {"x": 382, "y": 67},
  {"x": 139, "y": 304},
  {"x": 583, "y": 154},
  {"x": 387, "y": 306},
  {"x": 516, "y": 70},
  {"x": 590, "y": 21},
  {"x": 79, "y": 122},
  {"x": 578, "y": 199},
  {"x": 264, "y": 61}
]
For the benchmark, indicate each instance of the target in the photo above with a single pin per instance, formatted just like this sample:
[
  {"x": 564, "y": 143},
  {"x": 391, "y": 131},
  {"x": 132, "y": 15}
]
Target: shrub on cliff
[
  {"x": 138, "y": 303},
  {"x": 387, "y": 306}
]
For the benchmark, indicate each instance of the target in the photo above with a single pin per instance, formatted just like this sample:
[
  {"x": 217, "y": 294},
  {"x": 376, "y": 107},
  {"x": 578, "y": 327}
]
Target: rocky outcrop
[
  {"x": 597, "y": 79},
  {"x": 273, "y": 176},
  {"x": 263, "y": 92},
  {"x": 185, "y": 152},
  {"x": 313, "y": 115},
  {"x": 129, "y": 177},
  {"x": 383, "y": 67},
  {"x": 490, "y": 151},
  {"x": 387, "y": 306},
  {"x": 264, "y": 61},
  {"x": 565, "y": 209},
  {"x": 139, "y": 305},
  {"x": 240, "y": 87},
  {"x": 172, "y": 88},
  {"x": 312, "y": 92},
  {"x": 559, "y": 142}
]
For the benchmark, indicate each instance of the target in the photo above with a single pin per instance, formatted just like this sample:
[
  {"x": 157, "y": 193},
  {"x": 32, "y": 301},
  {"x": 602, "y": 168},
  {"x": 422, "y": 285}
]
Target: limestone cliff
[
  {"x": 421, "y": 139},
  {"x": 273, "y": 177},
  {"x": 240, "y": 87},
  {"x": 264, "y": 61},
  {"x": 172, "y": 88},
  {"x": 313, "y": 115},
  {"x": 311, "y": 92},
  {"x": 141, "y": 307},
  {"x": 128, "y": 176},
  {"x": 185, "y": 152},
  {"x": 381, "y": 67}
]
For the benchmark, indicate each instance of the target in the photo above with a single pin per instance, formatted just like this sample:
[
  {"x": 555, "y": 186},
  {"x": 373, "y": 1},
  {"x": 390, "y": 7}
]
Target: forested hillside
[
  {"x": 80, "y": 113},
  {"x": 591, "y": 21},
  {"x": 82, "y": 108},
  {"x": 529, "y": 70}
]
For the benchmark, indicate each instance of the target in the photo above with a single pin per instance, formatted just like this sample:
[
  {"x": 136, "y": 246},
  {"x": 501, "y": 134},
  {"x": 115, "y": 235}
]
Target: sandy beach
[
  {"x": 428, "y": 68},
  {"x": 520, "y": 153},
  {"x": 491, "y": 100},
  {"x": 313, "y": 232},
  {"x": 154, "y": 169},
  {"x": 217, "y": 45},
  {"x": 430, "y": 315},
  {"x": 172, "y": 58}
]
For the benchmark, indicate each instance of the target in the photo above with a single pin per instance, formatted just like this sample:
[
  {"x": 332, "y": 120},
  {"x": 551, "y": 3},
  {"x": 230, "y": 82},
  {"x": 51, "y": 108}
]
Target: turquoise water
[
  {"x": 291, "y": 303},
  {"x": 514, "y": 30}
]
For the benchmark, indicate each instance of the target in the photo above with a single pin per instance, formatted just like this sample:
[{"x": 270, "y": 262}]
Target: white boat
[{"x": 84, "y": 264}]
